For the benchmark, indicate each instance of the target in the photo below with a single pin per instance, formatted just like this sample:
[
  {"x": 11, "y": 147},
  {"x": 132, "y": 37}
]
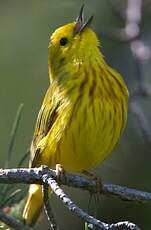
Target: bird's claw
[
  {"x": 59, "y": 171},
  {"x": 94, "y": 178}
]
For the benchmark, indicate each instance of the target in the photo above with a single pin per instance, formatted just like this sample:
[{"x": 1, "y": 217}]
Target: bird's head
[{"x": 72, "y": 43}]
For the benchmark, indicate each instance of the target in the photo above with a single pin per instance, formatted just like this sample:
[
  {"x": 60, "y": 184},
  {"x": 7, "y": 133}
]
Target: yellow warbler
[{"x": 84, "y": 110}]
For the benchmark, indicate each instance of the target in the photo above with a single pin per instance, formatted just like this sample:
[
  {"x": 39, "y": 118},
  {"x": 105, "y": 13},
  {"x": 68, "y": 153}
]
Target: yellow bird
[{"x": 84, "y": 111}]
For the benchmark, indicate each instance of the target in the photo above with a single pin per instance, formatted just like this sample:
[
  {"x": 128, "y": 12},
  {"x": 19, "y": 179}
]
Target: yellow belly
[
  {"x": 89, "y": 139},
  {"x": 89, "y": 136}
]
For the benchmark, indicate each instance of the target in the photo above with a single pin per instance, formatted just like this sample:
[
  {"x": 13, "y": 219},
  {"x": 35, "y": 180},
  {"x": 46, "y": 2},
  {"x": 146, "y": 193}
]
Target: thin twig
[
  {"x": 123, "y": 225},
  {"x": 140, "y": 52},
  {"x": 34, "y": 175},
  {"x": 13, "y": 134},
  {"x": 131, "y": 33},
  {"x": 10, "y": 197},
  {"x": 142, "y": 121},
  {"x": 48, "y": 210},
  {"x": 43, "y": 175},
  {"x": 97, "y": 224},
  {"x": 12, "y": 222},
  {"x": 116, "y": 34},
  {"x": 26, "y": 154}
]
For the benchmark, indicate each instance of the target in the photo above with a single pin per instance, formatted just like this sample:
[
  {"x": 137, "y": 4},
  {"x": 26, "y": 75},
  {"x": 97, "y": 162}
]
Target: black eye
[{"x": 63, "y": 41}]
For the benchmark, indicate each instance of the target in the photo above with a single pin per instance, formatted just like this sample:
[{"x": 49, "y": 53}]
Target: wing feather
[{"x": 45, "y": 120}]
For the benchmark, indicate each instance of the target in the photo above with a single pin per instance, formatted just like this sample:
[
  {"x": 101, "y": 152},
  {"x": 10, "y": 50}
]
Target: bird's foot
[
  {"x": 59, "y": 171},
  {"x": 94, "y": 178}
]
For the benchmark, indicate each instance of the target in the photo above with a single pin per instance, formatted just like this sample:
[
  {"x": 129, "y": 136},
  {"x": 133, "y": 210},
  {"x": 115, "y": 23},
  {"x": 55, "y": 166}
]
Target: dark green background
[{"x": 25, "y": 27}]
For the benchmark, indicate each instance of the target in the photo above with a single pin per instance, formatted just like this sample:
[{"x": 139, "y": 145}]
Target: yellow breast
[{"x": 89, "y": 123}]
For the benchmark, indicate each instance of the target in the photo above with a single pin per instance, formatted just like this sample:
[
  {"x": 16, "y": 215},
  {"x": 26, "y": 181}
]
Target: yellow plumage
[{"x": 84, "y": 111}]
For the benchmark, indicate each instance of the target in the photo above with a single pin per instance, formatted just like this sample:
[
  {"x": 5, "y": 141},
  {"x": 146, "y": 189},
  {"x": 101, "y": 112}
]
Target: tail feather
[{"x": 33, "y": 205}]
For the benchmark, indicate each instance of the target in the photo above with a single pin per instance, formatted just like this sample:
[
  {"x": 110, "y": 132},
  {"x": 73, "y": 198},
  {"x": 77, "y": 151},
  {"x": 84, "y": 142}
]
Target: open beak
[{"x": 80, "y": 24}]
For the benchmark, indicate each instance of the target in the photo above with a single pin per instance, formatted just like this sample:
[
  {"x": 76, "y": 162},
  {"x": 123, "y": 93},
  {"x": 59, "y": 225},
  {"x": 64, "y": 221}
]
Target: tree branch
[
  {"x": 142, "y": 121},
  {"x": 96, "y": 224},
  {"x": 48, "y": 209},
  {"x": 12, "y": 222},
  {"x": 131, "y": 33},
  {"x": 34, "y": 175},
  {"x": 46, "y": 176}
]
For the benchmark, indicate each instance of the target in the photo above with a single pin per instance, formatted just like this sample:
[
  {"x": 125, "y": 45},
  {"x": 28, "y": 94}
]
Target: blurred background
[{"x": 25, "y": 27}]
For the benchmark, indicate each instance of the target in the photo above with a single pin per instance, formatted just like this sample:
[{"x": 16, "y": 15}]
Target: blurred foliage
[{"x": 25, "y": 27}]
